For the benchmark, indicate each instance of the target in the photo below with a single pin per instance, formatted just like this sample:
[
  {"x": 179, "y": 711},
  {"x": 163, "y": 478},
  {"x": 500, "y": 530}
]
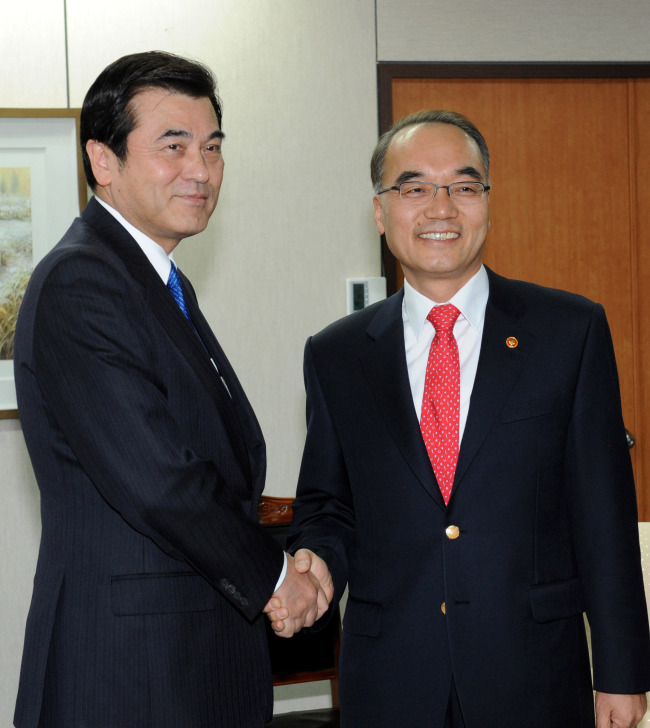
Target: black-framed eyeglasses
[{"x": 418, "y": 193}]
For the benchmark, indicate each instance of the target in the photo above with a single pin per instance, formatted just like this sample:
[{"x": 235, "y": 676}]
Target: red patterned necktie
[{"x": 441, "y": 399}]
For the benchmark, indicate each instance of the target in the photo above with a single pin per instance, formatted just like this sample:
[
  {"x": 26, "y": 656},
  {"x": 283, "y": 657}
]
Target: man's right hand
[
  {"x": 296, "y": 603},
  {"x": 290, "y": 607}
]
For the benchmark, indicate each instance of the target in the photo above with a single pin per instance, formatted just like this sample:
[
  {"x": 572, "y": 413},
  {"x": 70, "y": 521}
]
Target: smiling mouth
[{"x": 439, "y": 236}]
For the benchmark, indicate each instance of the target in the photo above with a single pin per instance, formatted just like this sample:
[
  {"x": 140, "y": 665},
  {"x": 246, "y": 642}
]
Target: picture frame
[{"x": 42, "y": 189}]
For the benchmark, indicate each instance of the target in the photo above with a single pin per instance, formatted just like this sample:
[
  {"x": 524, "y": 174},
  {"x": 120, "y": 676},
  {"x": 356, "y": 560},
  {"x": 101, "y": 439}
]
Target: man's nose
[
  {"x": 196, "y": 167},
  {"x": 441, "y": 205}
]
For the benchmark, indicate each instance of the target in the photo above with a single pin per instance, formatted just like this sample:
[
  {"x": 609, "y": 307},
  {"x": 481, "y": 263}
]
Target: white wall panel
[
  {"x": 32, "y": 43},
  {"x": 513, "y": 30}
]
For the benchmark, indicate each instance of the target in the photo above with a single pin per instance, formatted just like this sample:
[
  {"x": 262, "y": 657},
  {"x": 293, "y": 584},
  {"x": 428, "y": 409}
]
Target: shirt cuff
[{"x": 283, "y": 573}]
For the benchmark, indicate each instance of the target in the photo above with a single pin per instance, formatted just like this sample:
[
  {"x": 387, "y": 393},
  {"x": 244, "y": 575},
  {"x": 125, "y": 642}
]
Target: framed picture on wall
[{"x": 42, "y": 188}]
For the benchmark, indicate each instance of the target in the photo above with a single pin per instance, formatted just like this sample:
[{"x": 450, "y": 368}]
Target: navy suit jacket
[
  {"x": 153, "y": 569},
  {"x": 544, "y": 504}
]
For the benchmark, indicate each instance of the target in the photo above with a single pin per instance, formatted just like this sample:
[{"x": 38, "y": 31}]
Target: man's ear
[
  {"x": 100, "y": 158},
  {"x": 379, "y": 218}
]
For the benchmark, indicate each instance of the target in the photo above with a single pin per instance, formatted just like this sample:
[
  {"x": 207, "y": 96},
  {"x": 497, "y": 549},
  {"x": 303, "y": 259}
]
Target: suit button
[
  {"x": 443, "y": 608},
  {"x": 452, "y": 532}
]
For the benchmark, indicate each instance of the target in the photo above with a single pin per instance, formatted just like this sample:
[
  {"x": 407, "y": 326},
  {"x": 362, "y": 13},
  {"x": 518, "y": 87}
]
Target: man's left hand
[{"x": 619, "y": 711}]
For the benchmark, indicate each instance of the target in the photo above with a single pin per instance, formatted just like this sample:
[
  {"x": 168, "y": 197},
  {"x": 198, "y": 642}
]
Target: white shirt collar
[
  {"x": 154, "y": 252},
  {"x": 470, "y": 300}
]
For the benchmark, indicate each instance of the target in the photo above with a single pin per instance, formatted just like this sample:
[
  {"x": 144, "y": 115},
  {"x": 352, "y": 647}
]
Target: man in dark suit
[
  {"x": 470, "y": 564},
  {"x": 153, "y": 571}
]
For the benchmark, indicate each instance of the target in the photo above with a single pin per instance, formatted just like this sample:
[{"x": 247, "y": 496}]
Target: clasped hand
[{"x": 304, "y": 595}]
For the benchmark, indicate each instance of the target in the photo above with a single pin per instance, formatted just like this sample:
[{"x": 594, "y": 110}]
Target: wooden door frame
[{"x": 387, "y": 71}]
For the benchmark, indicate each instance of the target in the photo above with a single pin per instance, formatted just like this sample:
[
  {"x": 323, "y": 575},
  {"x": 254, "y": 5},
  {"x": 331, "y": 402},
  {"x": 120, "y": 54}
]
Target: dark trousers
[{"x": 454, "y": 717}]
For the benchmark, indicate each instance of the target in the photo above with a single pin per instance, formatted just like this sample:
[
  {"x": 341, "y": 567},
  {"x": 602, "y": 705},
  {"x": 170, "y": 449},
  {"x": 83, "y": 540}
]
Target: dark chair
[{"x": 308, "y": 656}]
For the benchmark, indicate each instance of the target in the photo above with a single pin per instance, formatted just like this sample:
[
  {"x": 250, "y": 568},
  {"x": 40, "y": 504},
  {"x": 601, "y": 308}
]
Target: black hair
[{"x": 107, "y": 114}]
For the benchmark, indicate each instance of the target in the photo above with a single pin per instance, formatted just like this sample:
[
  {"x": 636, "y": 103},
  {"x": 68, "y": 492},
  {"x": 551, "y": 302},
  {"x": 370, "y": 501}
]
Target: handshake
[{"x": 304, "y": 595}]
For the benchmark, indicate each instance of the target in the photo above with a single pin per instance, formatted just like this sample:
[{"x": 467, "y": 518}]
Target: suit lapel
[
  {"x": 236, "y": 400},
  {"x": 384, "y": 364},
  {"x": 171, "y": 318},
  {"x": 498, "y": 368}
]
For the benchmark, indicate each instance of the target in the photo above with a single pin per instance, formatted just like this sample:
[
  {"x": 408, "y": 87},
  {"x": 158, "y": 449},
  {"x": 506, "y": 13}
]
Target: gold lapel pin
[{"x": 511, "y": 342}]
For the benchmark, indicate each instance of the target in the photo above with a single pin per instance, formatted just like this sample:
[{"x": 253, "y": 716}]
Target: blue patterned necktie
[{"x": 174, "y": 285}]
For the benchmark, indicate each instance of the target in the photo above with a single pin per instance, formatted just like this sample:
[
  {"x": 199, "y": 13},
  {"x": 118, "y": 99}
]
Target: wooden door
[{"x": 570, "y": 162}]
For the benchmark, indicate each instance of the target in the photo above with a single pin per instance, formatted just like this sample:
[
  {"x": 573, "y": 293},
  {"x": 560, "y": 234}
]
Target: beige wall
[
  {"x": 295, "y": 218},
  {"x": 513, "y": 30}
]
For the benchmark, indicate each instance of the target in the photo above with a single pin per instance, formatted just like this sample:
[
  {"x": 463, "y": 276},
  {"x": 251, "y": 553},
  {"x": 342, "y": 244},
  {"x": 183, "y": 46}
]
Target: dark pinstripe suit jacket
[{"x": 153, "y": 570}]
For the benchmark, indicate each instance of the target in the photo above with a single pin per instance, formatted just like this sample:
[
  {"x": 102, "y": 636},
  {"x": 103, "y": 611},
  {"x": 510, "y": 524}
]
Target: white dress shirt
[
  {"x": 154, "y": 252},
  {"x": 471, "y": 301}
]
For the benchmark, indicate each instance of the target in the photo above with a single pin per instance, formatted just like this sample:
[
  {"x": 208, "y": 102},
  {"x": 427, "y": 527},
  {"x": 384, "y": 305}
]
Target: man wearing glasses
[{"x": 466, "y": 474}]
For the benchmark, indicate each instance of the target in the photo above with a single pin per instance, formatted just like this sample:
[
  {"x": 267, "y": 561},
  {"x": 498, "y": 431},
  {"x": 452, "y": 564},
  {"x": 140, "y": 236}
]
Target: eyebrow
[
  {"x": 470, "y": 172},
  {"x": 173, "y": 133},
  {"x": 409, "y": 174}
]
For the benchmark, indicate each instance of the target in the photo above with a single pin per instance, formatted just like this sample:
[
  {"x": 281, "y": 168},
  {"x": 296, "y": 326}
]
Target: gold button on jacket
[{"x": 452, "y": 532}]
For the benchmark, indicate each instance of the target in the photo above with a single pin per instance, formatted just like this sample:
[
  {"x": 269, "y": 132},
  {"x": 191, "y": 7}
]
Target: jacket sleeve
[
  {"x": 323, "y": 511},
  {"x": 98, "y": 371},
  {"x": 602, "y": 504}
]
